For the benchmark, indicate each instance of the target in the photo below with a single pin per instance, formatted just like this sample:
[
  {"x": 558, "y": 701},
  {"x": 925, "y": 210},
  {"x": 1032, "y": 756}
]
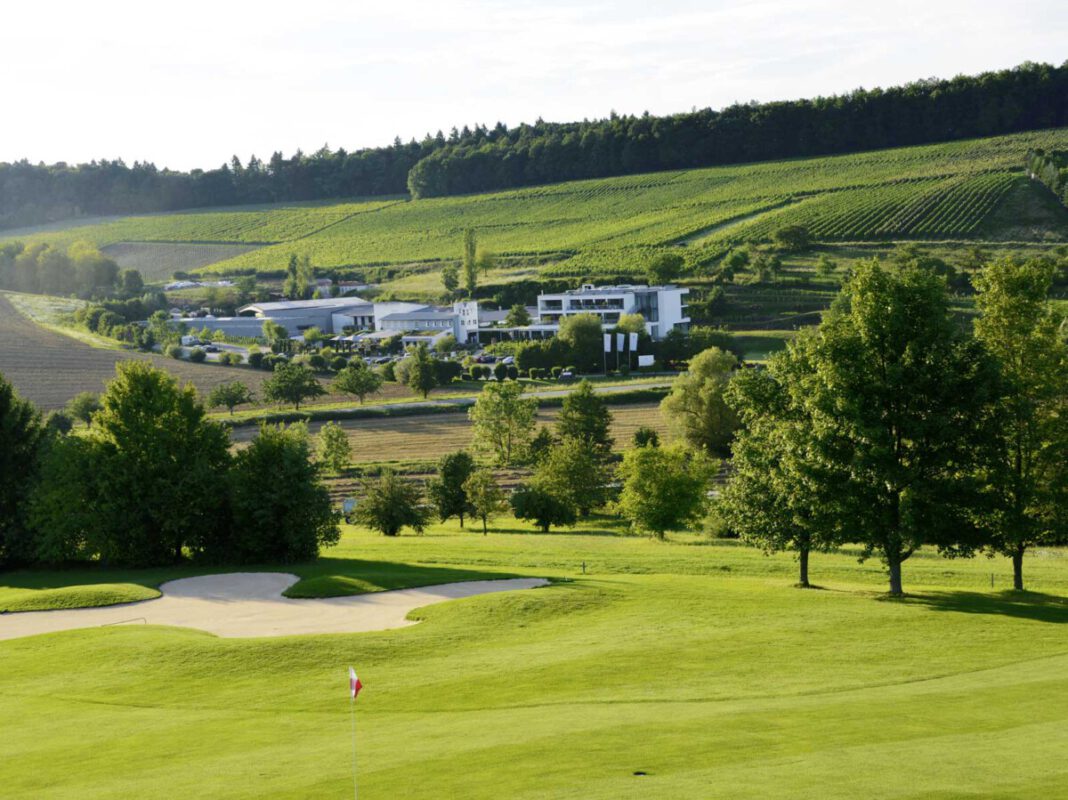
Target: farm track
[{"x": 48, "y": 368}]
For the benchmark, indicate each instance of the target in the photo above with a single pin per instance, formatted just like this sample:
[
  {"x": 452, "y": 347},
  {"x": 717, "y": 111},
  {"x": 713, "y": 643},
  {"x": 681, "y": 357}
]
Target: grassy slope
[
  {"x": 695, "y": 663},
  {"x": 941, "y": 191}
]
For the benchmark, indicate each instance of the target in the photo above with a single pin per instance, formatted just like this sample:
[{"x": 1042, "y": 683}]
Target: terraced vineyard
[{"x": 932, "y": 192}]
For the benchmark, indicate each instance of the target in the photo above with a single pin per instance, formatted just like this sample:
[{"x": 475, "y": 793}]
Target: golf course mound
[{"x": 249, "y": 604}]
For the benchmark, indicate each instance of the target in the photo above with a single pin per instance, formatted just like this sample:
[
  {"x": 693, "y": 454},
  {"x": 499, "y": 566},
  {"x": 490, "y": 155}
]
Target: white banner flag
[
  {"x": 634, "y": 341},
  {"x": 608, "y": 343},
  {"x": 619, "y": 340}
]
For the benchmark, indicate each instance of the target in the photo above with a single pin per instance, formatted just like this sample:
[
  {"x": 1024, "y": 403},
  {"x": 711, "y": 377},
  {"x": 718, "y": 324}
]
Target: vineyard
[{"x": 613, "y": 226}]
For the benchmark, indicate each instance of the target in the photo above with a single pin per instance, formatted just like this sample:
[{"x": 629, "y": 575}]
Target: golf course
[{"x": 686, "y": 667}]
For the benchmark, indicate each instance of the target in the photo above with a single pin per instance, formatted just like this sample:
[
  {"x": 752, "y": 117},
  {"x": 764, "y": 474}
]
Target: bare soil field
[
  {"x": 426, "y": 437},
  {"x": 160, "y": 260},
  {"x": 48, "y": 368}
]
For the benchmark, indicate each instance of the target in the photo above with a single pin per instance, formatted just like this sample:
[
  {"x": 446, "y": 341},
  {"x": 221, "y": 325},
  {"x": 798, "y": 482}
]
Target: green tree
[
  {"x": 770, "y": 499},
  {"x": 231, "y": 395},
  {"x": 83, "y": 405},
  {"x": 357, "y": 379},
  {"x": 276, "y": 334},
  {"x": 899, "y": 401},
  {"x": 450, "y": 279},
  {"x": 485, "y": 496},
  {"x": 542, "y": 508},
  {"x": 665, "y": 268},
  {"x": 825, "y": 266},
  {"x": 291, "y": 383},
  {"x": 631, "y": 323},
  {"x": 422, "y": 376},
  {"x": 390, "y": 504},
  {"x": 1017, "y": 324},
  {"x": 574, "y": 472},
  {"x": 291, "y": 287},
  {"x": 645, "y": 436},
  {"x": 445, "y": 345},
  {"x": 132, "y": 282},
  {"x": 152, "y": 474},
  {"x": 470, "y": 262},
  {"x": 585, "y": 417},
  {"x": 792, "y": 238},
  {"x": 503, "y": 421},
  {"x": 518, "y": 316},
  {"x": 582, "y": 335},
  {"x": 447, "y": 491},
  {"x": 280, "y": 508},
  {"x": 334, "y": 449},
  {"x": 697, "y": 408},
  {"x": 485, "y": 260},
  {"x": 664, "y": 488},
  {"x": 21, "y": 436}
]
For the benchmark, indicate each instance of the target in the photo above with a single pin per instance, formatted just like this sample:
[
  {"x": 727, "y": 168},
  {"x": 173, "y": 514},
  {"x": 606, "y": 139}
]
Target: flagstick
[{"x": 352, "y": 715}]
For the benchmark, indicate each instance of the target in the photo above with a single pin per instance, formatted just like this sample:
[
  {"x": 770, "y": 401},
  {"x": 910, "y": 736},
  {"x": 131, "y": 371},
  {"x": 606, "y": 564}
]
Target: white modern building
[{"x": 662, "y": 307}]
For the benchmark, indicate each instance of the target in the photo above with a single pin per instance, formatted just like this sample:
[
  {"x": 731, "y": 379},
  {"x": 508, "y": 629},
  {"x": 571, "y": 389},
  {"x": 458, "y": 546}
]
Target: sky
[{"x": 191, "y": 83}]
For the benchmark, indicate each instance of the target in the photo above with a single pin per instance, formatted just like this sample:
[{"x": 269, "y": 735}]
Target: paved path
[{"x": 246, "y": 604}]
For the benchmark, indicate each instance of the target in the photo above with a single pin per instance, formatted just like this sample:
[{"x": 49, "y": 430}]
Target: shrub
[
  {"x": 316, "y": 361},
  {"x": 535, "y": 373},
  {"x": 555, "y": 372},
  {"x": 338, "y": 363},
  {"x": 196, "y": 355},
  {"x": 513, "y": 372},
  {"x": 388, "y": 371},
  {"x": 173, "y": 351},
  {"x": 500, "y": 371}
]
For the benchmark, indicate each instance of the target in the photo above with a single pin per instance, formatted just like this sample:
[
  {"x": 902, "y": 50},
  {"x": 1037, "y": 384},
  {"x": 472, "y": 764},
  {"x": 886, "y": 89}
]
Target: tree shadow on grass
[
  {"x": 1035, "y": 606},
  {"x": 334, "y": 577}
]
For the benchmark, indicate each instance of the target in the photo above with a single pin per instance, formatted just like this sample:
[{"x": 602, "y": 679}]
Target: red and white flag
[{"x": 354, "y": 683}]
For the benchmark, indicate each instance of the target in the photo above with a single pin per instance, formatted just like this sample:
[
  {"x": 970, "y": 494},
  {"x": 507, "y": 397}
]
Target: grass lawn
[{"x": 692, "y": 661}]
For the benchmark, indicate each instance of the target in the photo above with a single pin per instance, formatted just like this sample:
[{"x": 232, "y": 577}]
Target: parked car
[{"x": 211, "y": 349}]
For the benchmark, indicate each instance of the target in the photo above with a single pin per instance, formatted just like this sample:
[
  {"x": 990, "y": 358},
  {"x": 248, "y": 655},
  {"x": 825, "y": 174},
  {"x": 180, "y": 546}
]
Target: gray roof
[
  {"x": 326, "y": 303},
  {"x": 427, "y": 314}
]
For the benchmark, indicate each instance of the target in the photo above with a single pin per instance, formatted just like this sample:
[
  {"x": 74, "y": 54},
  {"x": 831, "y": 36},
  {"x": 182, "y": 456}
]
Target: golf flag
[
  {"x": 354, "y": 683},
  {"x": 634, "y": 341},
  {"x": 619, "y": 341},
  {"x": 608, "y": 343}
]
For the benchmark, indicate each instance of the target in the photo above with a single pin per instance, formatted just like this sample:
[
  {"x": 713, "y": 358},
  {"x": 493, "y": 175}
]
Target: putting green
[{"x": 697, "y": 664}]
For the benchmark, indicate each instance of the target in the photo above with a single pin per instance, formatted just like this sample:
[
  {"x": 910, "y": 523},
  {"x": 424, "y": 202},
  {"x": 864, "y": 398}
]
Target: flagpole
[{"x": 352, "y": 716}]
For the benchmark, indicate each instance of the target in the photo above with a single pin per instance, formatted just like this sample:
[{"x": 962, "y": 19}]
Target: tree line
[
  {"x": 1028, "y": 97},
  {"x": 151, "y": 481},
  {"x": 1051, "y": 169}
]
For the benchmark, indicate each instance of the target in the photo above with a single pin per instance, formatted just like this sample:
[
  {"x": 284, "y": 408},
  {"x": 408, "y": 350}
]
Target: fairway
[{"x": 694, "y": 662}]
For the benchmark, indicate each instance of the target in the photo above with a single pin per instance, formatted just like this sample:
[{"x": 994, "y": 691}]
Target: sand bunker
[{"x": 243, "y": 604}]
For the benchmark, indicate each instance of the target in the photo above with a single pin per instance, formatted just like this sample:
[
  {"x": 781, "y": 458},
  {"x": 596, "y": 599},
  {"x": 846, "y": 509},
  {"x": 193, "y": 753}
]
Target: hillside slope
[{"x": 971, "y": 190}]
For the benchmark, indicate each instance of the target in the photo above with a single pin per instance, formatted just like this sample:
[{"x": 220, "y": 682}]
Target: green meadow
[{"x": 685, "y": 668}]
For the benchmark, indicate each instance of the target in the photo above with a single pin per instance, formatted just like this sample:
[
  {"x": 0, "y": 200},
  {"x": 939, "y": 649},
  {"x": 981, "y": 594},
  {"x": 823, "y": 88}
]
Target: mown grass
[{"x": 692, "y": 661}]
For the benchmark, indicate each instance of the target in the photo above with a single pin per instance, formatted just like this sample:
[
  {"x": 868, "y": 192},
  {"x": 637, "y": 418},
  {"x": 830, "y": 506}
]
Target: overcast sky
[{"x": 190, "y": 83}]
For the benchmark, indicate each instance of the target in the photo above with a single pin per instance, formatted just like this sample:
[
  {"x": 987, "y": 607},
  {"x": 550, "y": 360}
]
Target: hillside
[{"x": 962, "y": 191}]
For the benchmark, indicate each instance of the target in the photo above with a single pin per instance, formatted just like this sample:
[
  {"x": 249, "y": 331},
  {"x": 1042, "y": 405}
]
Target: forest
[{"x": 1028, "y": 97}]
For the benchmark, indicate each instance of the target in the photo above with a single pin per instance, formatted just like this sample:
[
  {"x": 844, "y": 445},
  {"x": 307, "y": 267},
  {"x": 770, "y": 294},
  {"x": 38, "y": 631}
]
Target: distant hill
[
  {"x": 975, "y": 190},
  {"x": 1029, "y": 97}
]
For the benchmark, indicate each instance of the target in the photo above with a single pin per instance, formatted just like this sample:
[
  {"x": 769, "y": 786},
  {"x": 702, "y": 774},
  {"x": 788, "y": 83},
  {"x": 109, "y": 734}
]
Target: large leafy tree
[
  {"x": 357, "y": 379},
  {"x": 292, "y": 383},
  {"x": 230, "y": 395},
  {"x": 21, "y": 436},
  {"x": 899, "y": 404},
  {"x": 447, "y": 491},
  {"x": 585, "y": 417},
  {"x": 770, "y": 499},
  {"x": 422, "y": 375},
  {"x": 334, "y": 448},
  {"x": 697, "y": 407},
  {"x": 582, "y": 335},
  {"x": 390, "y": 504},
  {"x": 664, "y": 488},
  {"x": 281, "y": 509},
  {"x": 574, "y": 472},
  {"x": 1018, "y": 326},
  {"x": 153, "y": 473},
  {"x": 485, "y": 495},
  {"x": 541, "y": 507},
  {"x": 503, "y": 421}
]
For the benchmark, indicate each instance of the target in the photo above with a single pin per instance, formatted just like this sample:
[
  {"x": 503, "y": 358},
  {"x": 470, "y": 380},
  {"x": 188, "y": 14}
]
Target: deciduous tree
[
  {"x": 447, "y": 491},
  {"x": 503, "y": 421},
  {"x": 697, "y": 408},
  {"x": 291, "y": 383},
  {"x": 485, "y": 496}
]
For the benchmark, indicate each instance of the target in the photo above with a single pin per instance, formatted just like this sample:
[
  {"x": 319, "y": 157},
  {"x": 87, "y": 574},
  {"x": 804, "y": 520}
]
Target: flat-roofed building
[{"x": 662, "y": 307}]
